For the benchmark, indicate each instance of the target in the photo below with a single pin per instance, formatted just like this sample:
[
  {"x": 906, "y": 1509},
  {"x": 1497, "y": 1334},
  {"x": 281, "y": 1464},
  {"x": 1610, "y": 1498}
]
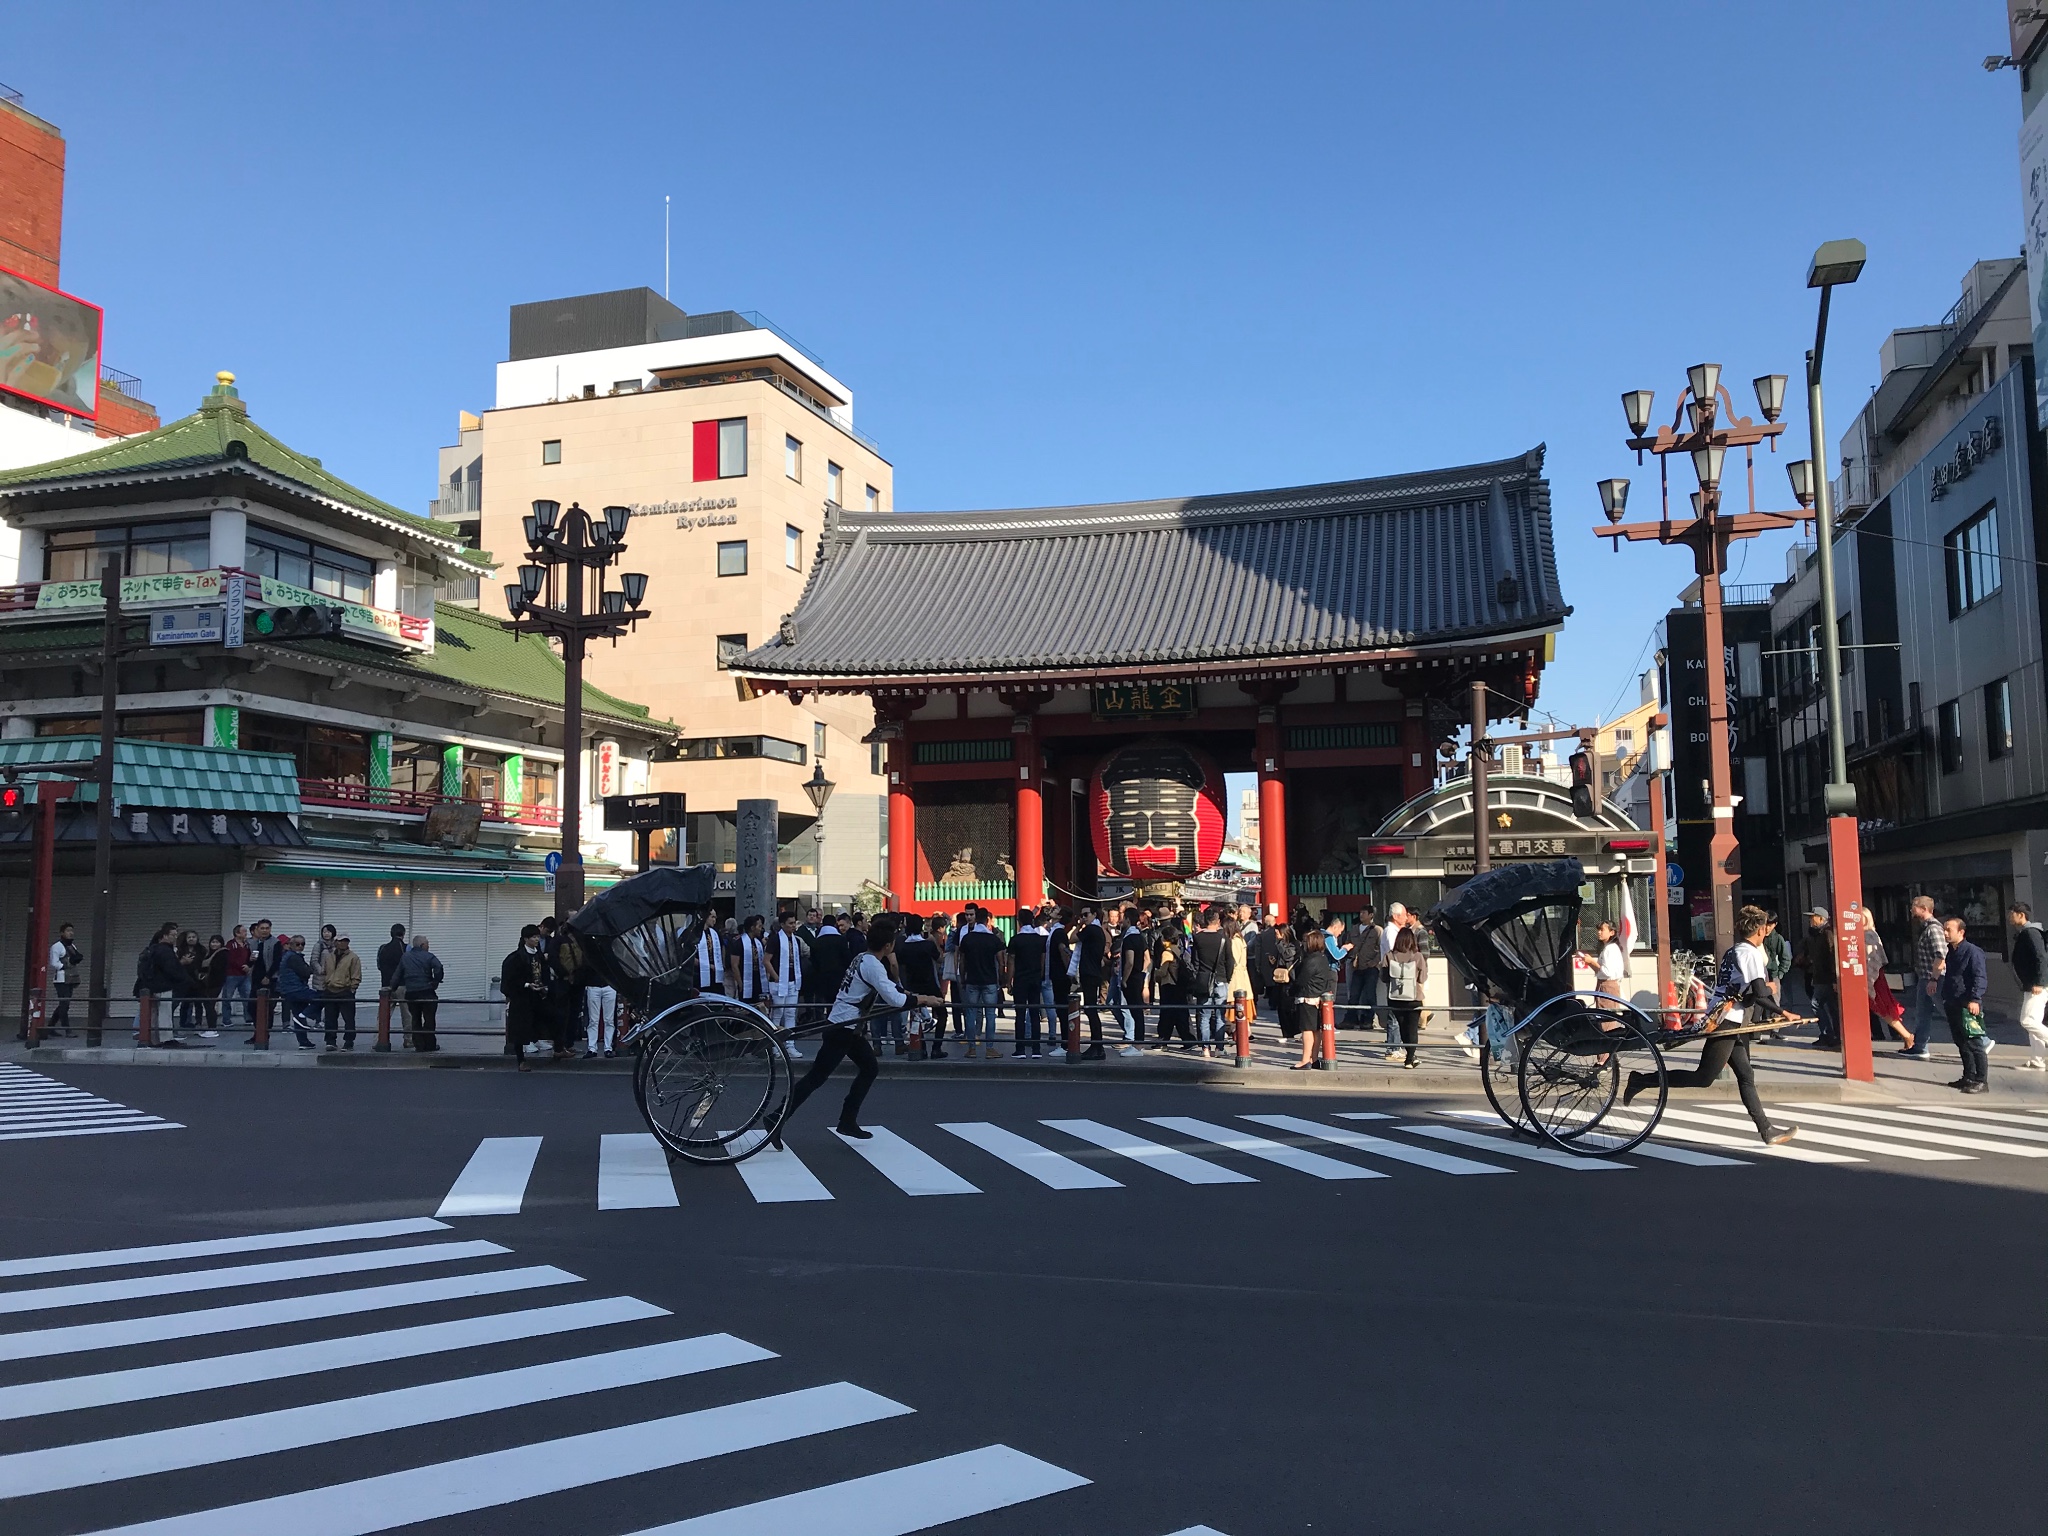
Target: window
[
  {"x": 539, "y": 782},
  {"x": 302, "y": 563},
  {"x": 187, "y": 729},
  {"x": 732, "y": 557},
  {"x": 878, "y": 759},
  {"x": 874, "y": 499},
  {"x": 793, "y": 546},
  {"x": 704, "y": 749},
  {"x": 1951, "y": 733},
  {"x": 818, "y": 740},
  {"x": 1997, "y": 719},
  {"x": 323, "y": 751},
  {"x": 551, "y": 451},
  {"x": 833, "y": 476},
  {"x": 793, "y": 458},
  {"x": 144, "y": 549},
  {"x": 1845, "y": 640},
  {"x": 730, "y": 648},
  {"x": 718, "y": 449},
  {"x": 1971, "y": 555}
]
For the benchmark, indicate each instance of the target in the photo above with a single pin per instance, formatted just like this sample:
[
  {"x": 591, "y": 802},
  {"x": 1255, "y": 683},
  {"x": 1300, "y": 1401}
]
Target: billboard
[{"x": 49, "y": 345}]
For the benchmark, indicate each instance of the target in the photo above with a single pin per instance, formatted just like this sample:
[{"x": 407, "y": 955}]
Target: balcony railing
[{"x": 347, "y": 793}]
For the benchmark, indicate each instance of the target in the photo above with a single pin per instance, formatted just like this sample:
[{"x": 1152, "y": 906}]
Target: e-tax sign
[
  {"x": 184, "y": 589},
  {"x": 357, "y": 619},
  {"x": 171, "y": 588}
]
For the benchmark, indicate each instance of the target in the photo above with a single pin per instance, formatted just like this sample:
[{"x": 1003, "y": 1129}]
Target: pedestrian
[
  {"x": 2030, "y": 970},
  {"x": 866, "y": 985},
  {"x": 1090, "y": 968},
  {"x": 389, "y": 954},
  {"x": 1741, "y": 989},
  {"x": 811, "y": 927},
  {"x": 1059, "y": 978},
  {"x": 526, "y": 980},
  {"x": 1311, "y": 977},
  {"x": 746, "y": 962},
  {"x": 1817, "y": 966},
  {"x": 1965, "y": 978},
  {"x": 419, "y": 977},
  {"x": 158, "y": 978},
  {"x": 65, "y": 959},
  {"x": 1397, "y": 919},
  {"x": 1407, "y": 976},
  {"x": 917, "y": 968},
  {"x": 266, "y": 958},
  {"x": 295, "y": 989},
  {"x": 711, "y": 959},
  {"x": 318, "y": 958},
  {"x": 1171, "y": 989},
  {"x": 830, "y": 953},
  {"x": 786, "y": 967},
  {"x": 1284, "y": 954},
  {"x": 1028, "y": 949},
  {"x": 340, "y": 979},
  {"x": 1884, "y": 1007},
  {"x": 1368, "y": 964},
  {"x": 980, "y": 983},
  {"x": 234, "y": 981},
  {"x": 1134, "y": 970},
  {"x": 187, "y": 1009},
  {"x": 213, "y": 977},
  {"x": 1239, "y": 985},
  {"x": 1207, "y": 975},
  {"x": 1930, "y": 955},
  {"x": 1777, "y": 959},
  {"x": 1607, "y": 969}
]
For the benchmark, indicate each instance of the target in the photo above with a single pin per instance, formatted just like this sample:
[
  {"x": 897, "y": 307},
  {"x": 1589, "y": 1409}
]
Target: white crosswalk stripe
[
  {"x": 1971, "y": 1112},
  {"x": 910, "y": 1168},
  {"x": 1050, "y": 1168},
  {"x": 1170, "y": 1161},
  {"x": 1506, "y": 1148},
  {"x": 494, "y": 1181},
  {"x": 1934, "y": 1120},
  {"x": 1648, "y": 1148},
  {"x": 1707, "y": 1117},
  {"x": 1313, "y": 1164},
  {"x": 94, "y": 1292},
  {"x": 774, "y": 1178},
  {"x": 1931, "y": 1135},
  {"x": 633, "y": 1175},
  {"x": 1379, "y": 1146},
  {"x": 35, "y": 1108},
  {"x": 479, "y": 1474}
]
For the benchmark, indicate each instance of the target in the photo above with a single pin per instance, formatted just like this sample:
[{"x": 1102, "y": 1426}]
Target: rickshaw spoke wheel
[
  {"x": 709, "y": 1085},
  {"x": 1500, "y": 1063},
  {"x": 1571, "y": 1079}
]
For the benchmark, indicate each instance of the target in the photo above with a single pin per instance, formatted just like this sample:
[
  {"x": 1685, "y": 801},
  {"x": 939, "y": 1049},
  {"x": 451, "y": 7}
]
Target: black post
[
  {"x": 103, "y": 778},
  {"x": 569, "y": 879},
  {"x": 1482, "y": 843}
]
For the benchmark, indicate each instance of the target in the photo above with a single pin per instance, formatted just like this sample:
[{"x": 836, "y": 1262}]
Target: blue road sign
[
  {"x": 553, "y": 863},
  {"x": 1674, "y": 874}
]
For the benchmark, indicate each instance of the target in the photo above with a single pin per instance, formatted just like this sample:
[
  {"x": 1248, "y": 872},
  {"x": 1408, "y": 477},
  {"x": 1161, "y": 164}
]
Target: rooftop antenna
[{"x": 664, "y": 245}]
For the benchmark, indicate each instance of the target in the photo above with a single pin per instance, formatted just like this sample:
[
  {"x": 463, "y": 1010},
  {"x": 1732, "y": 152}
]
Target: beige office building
[{"x": 730, "y": 443}]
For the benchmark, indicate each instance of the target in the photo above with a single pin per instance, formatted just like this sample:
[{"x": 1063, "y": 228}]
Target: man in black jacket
[
  {"x": 526, "y": 979},
  {"x": 388, "y": 957},
  {"x": 829, "y": 955},
  {"x": 1092, "y": 947},
  {"x": 158, "y": 975}
]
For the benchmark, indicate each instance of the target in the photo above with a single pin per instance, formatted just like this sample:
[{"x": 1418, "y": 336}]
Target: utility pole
[
  {"x": 1482, "y": 751},
  {"x": 103, "y": 779}
]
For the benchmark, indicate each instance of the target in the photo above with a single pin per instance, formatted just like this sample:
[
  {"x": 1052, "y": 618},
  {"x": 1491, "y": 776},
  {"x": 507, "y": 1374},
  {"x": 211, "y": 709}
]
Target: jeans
[
  {"x": 1034, "y": 1006},
  {"x": 1209, "y": 1014},
  {"x": 978, "y": 1005},
  {"x": 1968, "y": 1034},
  {"x": 339, "y": 1008},
  {"x": 1924, "y": 1014},
  {"x": 1824, "y": 1000},
  {"x": 232, "y": 987},
  {"x": 601, "y": 1016},
  {"x": 888, "y": 1027},
  {"x": 1364, "y": 996}
]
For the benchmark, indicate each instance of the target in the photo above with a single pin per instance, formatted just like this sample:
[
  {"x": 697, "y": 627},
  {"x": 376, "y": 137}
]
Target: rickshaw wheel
[
  {"x": 710, "y": 1084},
  {"x": 1571, "y": 1076}
]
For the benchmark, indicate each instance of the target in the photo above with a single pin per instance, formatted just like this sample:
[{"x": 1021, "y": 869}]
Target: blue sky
[{"x": 1061, "y": 253}]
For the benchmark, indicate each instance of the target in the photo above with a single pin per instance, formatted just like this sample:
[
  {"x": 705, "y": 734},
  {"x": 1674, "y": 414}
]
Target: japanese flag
[{"x": 1627, "y": 936}]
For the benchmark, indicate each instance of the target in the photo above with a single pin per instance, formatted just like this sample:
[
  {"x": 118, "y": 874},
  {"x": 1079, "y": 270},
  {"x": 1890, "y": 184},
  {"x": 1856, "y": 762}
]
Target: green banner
[
  {"x": 223, "y": 725},
  {"x": 136, "y": 591}
]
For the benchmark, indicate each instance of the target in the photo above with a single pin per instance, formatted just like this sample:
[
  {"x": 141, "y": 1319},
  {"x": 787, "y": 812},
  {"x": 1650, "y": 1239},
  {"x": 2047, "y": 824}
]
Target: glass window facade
[
  {"x": 1998, "y": 719},
  {"x": 1970, "y": 553},
  {"x": 792, "y": 458},
  {"x": 732, "y": 447},
  {"x": 145, "y": 549}
]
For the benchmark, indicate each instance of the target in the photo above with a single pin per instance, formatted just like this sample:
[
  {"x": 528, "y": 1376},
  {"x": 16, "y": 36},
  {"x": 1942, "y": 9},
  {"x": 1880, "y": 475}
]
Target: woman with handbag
[
  {"x": 1282, "y": 952},
  {"x": 1884, "y": 1007},
  {"x": 1314, "y": 978},
  {"x": 1407, "y": 974}
]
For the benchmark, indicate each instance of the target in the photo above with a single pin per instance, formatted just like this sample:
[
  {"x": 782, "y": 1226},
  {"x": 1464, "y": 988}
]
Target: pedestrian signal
[
  {"x": 1582, "y": 785},
  {"x": 296, "y": 623},
  {"x": 10, "y": 797}
]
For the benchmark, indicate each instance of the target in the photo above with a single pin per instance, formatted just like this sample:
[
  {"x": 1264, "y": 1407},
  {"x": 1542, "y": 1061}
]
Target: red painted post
[
  {"x": 1328, "y": 1063},
  {"x": 1073, "y": 1032},
  {"x": 1852, "y": 994},
  {"x": 1241, "y": 1008},
  {"x": 917, "y": 1034},
  {"x": 145, "y": 1019},
  {"x": 384, "y": 1021}
]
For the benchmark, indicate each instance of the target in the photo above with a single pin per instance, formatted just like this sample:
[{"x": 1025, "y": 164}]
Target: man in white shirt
[
  {"x": 868, "y": 985},
  {"x": 1608, "y": 969},
  {"x": 1397, "y": 919},
  {"x": 786, "y": 967},
  {"x": 711, "y": 959}
]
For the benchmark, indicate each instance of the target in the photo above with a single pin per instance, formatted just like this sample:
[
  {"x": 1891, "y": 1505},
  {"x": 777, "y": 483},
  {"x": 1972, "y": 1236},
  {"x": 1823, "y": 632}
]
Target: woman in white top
[{"x": 868, "y": 985}]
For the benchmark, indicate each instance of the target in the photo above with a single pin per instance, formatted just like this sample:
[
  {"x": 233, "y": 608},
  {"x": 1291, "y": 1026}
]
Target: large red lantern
[{"x": 1155, "y": 811}]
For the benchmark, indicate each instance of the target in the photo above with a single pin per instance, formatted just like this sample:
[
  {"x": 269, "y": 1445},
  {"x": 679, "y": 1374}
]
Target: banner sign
[
  {"x": 193, "y": 588},
  {"x": 1142, "y": 701},
  {"x": 2034, "y": 226},
  {"x": 356, "y": 618},
  {"x": 49, "y": 345},
  {"x": 184, "y": 587}
]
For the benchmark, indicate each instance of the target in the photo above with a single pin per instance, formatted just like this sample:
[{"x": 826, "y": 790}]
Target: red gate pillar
[
  {"x": 1852, "y": 996},
  {"x": 1030, "y": 825},
  {"x": 1272, "y": 816},
  {"x": 902, "y": 828}
]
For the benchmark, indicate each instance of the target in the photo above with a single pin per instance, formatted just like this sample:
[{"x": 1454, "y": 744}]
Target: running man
[{"x": 866, "y": 987}]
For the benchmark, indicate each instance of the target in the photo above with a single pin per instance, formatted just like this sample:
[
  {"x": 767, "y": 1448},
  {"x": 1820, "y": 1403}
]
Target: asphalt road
[{"x": 1732, "y": 1343}]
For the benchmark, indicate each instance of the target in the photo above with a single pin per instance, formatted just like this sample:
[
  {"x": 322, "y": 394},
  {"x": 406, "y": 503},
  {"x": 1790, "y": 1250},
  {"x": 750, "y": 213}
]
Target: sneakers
[
  {"x": 1034, "y": 1056},
  {"x": 1980, "y": 1086},
  {"x": 1778, "y": 1135},
  {"x": 1093, "y": 1053},
  {"x": 1990, "y": 1045},
  {"x": 2035, "y": 1064},
  {"x": 1057, "y": 1053},
  {"x": 209, "y": 1034},
  {"x": 794, "y": 1053},
  {"x": 1130, "y": 1050},
  {"x": 845, "y": 1128}
]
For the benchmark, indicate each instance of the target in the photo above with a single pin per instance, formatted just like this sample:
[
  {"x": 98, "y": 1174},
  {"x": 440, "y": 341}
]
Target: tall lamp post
[
  {"x": 1697, "y": 430},
  {"x": 561, "y": 593},
  {"x": 1834, "y": 265},
  {"x": 819, "y": 790}
]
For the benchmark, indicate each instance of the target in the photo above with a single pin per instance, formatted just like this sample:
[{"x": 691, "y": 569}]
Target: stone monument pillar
[{"x": 754, "y": 877}]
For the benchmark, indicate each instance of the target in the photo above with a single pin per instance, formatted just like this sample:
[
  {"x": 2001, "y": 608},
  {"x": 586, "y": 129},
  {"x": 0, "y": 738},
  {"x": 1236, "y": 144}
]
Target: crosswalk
[
  {"x": 966, "y": 1158},
  {"x": 179, "y": 1414},
  {"x": 34, "y": 1107}
]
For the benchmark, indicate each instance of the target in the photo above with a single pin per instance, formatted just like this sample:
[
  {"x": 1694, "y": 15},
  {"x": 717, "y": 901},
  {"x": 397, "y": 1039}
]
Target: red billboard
[{"x": 49, "y": 345}]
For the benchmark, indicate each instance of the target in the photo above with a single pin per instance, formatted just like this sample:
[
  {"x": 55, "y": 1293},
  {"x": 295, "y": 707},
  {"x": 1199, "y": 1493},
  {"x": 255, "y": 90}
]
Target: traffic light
[
  {"x": 296, "y": 623},
  {"x": 12, "y": 797},
  {"x": 1582, "y": 785}
]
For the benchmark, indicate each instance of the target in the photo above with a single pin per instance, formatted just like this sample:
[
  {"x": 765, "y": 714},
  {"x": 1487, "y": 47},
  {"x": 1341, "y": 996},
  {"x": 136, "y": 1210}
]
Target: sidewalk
[{"x": 1785, "y": 1073}]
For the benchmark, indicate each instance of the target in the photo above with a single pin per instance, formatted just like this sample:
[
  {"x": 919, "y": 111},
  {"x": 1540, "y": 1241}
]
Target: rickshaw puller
[{"x": 867, "y": 983}]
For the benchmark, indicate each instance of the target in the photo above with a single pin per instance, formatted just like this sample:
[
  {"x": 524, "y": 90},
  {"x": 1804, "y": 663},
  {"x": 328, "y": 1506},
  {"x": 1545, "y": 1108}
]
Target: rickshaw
[
  {"x": 1556, "y": 1066},
  {"x": 711, "y": 1073}
]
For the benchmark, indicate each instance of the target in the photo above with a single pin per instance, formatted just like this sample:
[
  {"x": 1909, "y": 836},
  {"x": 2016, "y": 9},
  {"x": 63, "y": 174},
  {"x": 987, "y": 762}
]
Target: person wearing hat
[{"x": 1817, "y": 961}]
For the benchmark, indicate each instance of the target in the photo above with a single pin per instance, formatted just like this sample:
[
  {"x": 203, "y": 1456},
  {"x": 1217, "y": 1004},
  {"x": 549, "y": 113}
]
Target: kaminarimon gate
[{"x": 1061, "y": 689}]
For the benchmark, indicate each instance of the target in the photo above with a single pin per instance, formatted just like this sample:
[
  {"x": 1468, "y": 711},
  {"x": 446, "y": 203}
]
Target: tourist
[
  {"x": 1397, "y": 919},
  {"x": 786, "y": 963},
  {"x": 1028, "y": 949},
  {"x": 318, "y": 957},
  {"x": 1884, "y": 1008},
  {"x": 1777, "y": 959},
  {"x": 65, "y": 959},
  {"x": 525, "y": 981},
  {"x": 266, "y": 955},
  {"x": 1239, "y": 985},
  {"x": 1816, "y": 965},
  {"x": 980, "y": 983},
  {"x": 1134, "y": 970},
  {"x": 1091, "y": 969},
  {"x": 811, "y": 927},
  {"x": 1611, "y": 963},
  {"x": 829, "y": 955},
  {"x": 711, "y": 959},
  {"x": 188, "y": 1009},
  {"x": 1965, "y": 978},
  {"x": 1368, "y": 963},
  {"x": 213, "y": 977},
  {"x": 1407, "y": 975},
  {"x": 1059, "y": 978},
  {"x": 1311, "y": 977},
  {"x": 158, "y": 978},
  {"x": 339, "y": 980},
  {"x": 2030, "y": 970},
  {"x": 419, "y": 976},
  {"x": 1282, "y": 955},
  {"x": 917, "y": 966},
  {"x": 388, "y": 956},
  {"x": 1172, "y": 989},
  {"x": 295, "y": 993},
  {"x": 1208, "y": 975},
  {"x": 1930, "y": 952}
]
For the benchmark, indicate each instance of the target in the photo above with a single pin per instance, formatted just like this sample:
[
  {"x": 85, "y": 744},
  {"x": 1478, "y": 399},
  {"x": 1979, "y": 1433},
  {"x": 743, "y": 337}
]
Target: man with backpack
[
  {"x": 158, "y": 974},
  {"x": 1208, "y": 976}
]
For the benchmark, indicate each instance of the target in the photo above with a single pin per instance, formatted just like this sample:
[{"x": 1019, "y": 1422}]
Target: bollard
[
  {"x": 917, "y": 1034},
  {"x": 1241, "y": 1007},
  {"x": 261, "y": 1014},
  {"x": 33, "y": 1030},
  {"x": 384, "y": 1022},
  {"x": 145, "y": 1018},
  {"x": 1073, "y": 1036},
  {"x": 1328, "y": 1063}
]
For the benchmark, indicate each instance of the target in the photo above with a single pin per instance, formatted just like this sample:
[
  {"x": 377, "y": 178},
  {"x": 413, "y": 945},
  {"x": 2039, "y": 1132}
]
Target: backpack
[
  {"x": 569, "y": 959},
  {"x": 1403, "y": 983}
]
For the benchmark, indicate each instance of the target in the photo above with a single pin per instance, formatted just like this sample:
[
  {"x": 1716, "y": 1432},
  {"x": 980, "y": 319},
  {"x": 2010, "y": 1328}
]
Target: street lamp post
[
  {"x": 819, "y": 790},
  {"x": 1835, "y": 264},
  {"x": 561, "y": 593},
  {"x": 1697, "y": 430}
]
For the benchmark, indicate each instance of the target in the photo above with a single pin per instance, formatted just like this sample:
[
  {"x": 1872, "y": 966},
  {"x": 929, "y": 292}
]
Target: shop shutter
[
  {"x": 291, "y": 902},
  {"x": 13, "y": 925},
  {"x": 452, "y": 918},
  {"x": 141, "y": 904},
  {"x": 512, "y": 907},
  {"x": 365, "y": 911}
]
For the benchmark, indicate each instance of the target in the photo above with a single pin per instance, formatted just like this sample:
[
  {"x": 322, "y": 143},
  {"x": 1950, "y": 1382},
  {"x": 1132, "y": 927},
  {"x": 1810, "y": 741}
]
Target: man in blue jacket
[{"x": 1965, "y": 978}]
